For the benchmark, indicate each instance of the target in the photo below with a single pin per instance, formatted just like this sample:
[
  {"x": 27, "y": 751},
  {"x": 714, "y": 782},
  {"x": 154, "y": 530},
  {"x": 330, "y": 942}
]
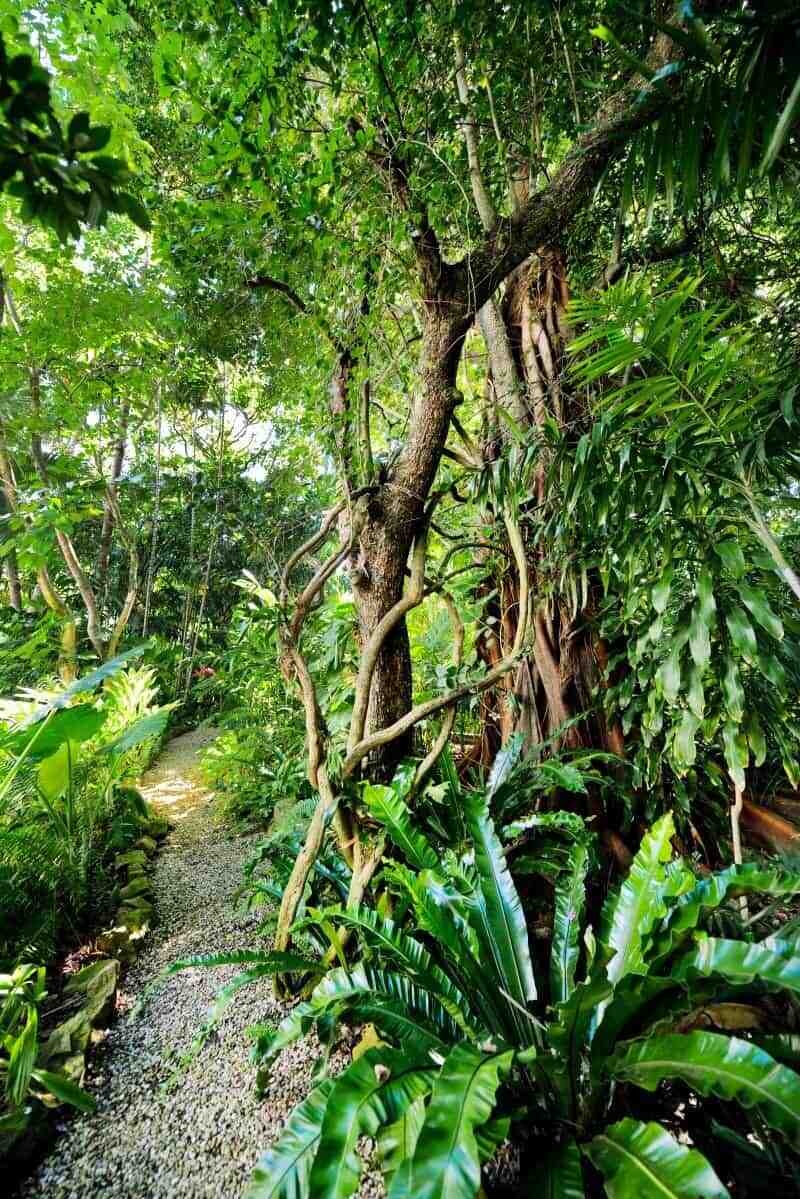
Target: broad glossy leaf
[
  {"x": 363, "y": 1099},
  {"x": 446, "y": 1162},
  {"x": 727, "y": 1067},
  {"x": 142, "y": 730},
  {"x": 784, "y": 1047},
  {"x": 393, "y": 942},
  {"x": 396, "y": 1142},
  {"x": 499, "y": 918},
  {"x": 504, "y": 763},
  {"x": 737, "y": 962},
  {"x": 638, "y": 1160},
  {"x": 629, "y": 916},
  {"x": 77, "y": 724},
  {"x": 386, "y": 806},
  {"x": 742, "y": 634},
  {"x": 283, "y": 1171},
  {"x": 731, "y": 554}
]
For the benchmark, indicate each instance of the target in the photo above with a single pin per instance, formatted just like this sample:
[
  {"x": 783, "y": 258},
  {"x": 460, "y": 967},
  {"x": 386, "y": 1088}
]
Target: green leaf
[
  {"x": 397, "y": 1141},
  {"x": 628, "y": 918},
  {"x": 283, "y": 1172},
  {"x": 446, "y": 1162},
  {"x": 781, "y": 131},
  {"x": 77, "y": 724},
  {"x": 53, "y": 775},
  {"x": 758, "y": 605},
  {"x": 500, "y": 919},
  {"x": 738, "y": 962},
  {"x": 742, "y": 634},
  {"x": 687, "y": 911},
  {"x": 89, "y": 681},
  {"x": 732, "y": 690},
  {"x": 65, "y": 1089},
  {"x": 659, "y": 596},
  {"x": 737, "y": 754},
  {"x": 570, "y": 898},
  {"x": 684, "y": 747},
  {"x": 559, "y": 1175},
  {"x": 669, "y": 675},
  {"x": 362, "y": 1100},
  {"x": 144, "y": 729},
  {"x": 386, "y": 806},
  {"x": 385, "y": 936},
  {"x": 726, "y": 1067},
  {"x": 732, "y": 557},
  {"x": 639, "y": 1159},
  {"x": 700, "y": 636},
  {"x": 22, "y": 1059}
]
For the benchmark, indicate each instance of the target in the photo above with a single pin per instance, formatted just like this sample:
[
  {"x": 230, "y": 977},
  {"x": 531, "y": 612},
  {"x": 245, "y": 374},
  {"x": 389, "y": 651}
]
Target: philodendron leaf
[
  {"x": 283, "y": 1171},
  {"x": 638, "y": 1160},
  {"x": 726, "y": 1067},
  {"x": 374, "y": 1091},
  {"x": 446, "y": 1162},
  {"x": 738, "y": 962}
]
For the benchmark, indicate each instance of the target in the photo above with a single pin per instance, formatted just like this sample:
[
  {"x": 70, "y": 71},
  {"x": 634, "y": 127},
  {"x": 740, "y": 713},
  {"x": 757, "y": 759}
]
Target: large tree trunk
[{"x": 567, "y": 661}]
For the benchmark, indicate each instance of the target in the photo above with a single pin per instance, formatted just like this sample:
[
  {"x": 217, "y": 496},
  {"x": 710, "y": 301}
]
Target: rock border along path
[{"x": 197, "y": 1134}]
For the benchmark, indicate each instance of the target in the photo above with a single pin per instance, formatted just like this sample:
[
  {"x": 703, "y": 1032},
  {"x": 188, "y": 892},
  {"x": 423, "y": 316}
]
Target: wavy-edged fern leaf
[{"x": 643, "y": 1159}]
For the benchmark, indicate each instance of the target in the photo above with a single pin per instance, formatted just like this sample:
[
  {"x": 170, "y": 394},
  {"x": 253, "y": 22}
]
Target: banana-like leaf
[
  {"x": 364, "y": 1098},
  {"x": 570, "y": 898},
  {"x": 446, "y": 1162},
  {"x": 283, "y": 1171},
  {"x": 64, "y": 1089},
  {"x": 628, "y": 917},
  {"x": 386, "y": 805},
  {"x": 689, "y": 909},
  {"x": 639, "y": 1159},
  {"x": 727, "y": 1067},
  {"x": 507, "y": 758},
  {"x": 737, "y": 962},
  {"x": 411, "y": 954},
  {"x": 559, "y": 1175},
  {"x": 498, "y": 916}
]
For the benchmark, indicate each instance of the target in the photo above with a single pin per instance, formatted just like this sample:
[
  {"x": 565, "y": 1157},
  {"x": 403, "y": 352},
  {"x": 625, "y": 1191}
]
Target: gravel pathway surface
[{"x": 197, "y": 1132}]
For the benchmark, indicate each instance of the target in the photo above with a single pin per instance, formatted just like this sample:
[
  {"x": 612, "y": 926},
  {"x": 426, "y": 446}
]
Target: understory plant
[
  {"x": 625, "y": 1024},
  {"x": 66, "y": 804},
  {"x": 22, "y": 993}
]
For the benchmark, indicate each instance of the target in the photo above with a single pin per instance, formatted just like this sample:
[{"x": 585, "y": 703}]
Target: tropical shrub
[
  {"x": 22, "y": 993},
  {"x": 472, "y": 1041},
  {"x": 65, "y": 803}
]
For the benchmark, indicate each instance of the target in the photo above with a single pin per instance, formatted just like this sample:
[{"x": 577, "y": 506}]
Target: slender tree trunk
[
  {"x": 12, "y": 579},
  {"x": 107, "y": 531}
]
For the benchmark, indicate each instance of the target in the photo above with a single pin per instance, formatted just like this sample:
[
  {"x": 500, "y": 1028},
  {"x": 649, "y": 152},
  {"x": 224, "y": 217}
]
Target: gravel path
[{"x": 156, "y": 1135}]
